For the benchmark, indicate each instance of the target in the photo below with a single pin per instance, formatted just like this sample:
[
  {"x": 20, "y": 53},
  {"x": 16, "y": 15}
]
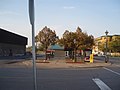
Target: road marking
[
  {"x": 101, "y": 84},
  {"x": 117, "y": 65},
  {"x": 111, "y": 71}
]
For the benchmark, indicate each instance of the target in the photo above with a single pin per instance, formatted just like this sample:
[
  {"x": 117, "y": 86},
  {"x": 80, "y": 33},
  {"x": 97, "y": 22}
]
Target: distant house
[
  {"x": 59, "y": 51},
  {"x": 12, "y": 44}
]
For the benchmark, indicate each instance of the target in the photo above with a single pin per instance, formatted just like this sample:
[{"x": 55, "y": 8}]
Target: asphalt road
[
  {"x": 100, "y": 78},
  {"x": 103, "y": 78},
  {"x": 113, "y": 60}
]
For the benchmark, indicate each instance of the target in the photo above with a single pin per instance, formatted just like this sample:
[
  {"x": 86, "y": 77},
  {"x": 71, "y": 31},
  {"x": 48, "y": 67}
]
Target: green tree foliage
[
  {"x": 115, "y": 45},
  {"x": 101, "y": 47},
  {"x": 29, "y": 49},
  {"x": 82, "y": 40},
  {"x": 112, "y": 46},
  {"x": 46, "y": 37}
]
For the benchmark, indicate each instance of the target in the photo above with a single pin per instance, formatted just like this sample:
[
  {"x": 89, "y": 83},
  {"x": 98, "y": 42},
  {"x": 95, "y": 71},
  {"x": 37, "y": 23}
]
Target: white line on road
[
  {"x": 117, "y": 65},
  {"x": 101, "y": 84},
  {"x": 111, "y": 71}
]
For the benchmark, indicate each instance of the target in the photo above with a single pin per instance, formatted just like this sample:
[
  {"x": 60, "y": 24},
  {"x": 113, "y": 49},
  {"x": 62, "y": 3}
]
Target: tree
[
  {"x": 29, "y": 49},
  {"x": 115, "y": 45},
  {"x": 46, "y": 37},
  {"x": 101, "y": 46},
  {"x": 82, "y": 40}
]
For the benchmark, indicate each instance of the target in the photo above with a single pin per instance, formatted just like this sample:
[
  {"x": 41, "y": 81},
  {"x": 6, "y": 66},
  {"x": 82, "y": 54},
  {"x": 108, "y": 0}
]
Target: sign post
[{"x": 31, "y": 15}]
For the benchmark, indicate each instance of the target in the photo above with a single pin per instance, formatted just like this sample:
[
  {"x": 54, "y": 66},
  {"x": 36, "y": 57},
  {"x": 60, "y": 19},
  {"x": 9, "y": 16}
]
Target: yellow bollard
[{"x": 91, "y": 58}]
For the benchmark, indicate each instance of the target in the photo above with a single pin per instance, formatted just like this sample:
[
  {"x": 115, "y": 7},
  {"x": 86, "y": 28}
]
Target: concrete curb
[{"x": 57, "y": 64}]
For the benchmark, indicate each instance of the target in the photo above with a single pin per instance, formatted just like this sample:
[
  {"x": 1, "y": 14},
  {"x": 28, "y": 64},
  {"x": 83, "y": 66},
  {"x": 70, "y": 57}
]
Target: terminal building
[{"x": 12, "y": 44}]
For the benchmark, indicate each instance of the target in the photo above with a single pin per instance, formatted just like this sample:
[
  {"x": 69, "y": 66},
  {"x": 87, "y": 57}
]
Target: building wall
[
  {"x": 12, "y": 44},
  {"x": 11, "y": 49},
  {"x": 102, "y": 41},
  {"x": 12, "y": 38},
  {"x": 59, "y": 53},
  {"x": 115, "y": 36}
]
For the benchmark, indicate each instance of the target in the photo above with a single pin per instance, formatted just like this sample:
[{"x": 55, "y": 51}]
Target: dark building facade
[{"x": 12, "y": 44}]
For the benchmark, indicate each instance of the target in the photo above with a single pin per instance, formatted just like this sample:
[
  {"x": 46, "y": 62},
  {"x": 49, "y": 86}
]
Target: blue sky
[{"x": 92, "y": 16}]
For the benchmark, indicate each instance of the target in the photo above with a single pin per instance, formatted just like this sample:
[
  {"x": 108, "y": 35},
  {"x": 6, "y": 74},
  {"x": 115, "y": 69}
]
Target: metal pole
[
  {"x": 31, "y": 16},
  {"x": 34, "y": 58},
  {"x": 106, "y": 44},
  {"x": 106, "y": 50}
]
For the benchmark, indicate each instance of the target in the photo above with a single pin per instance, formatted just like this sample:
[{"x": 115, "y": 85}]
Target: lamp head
[{"x": 106, "y": 32}]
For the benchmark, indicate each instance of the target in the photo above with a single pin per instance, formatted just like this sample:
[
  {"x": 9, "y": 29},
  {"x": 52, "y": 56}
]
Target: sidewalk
[
  {"x": 63, "y": 64},
  {"x": 52, "y": 64}
]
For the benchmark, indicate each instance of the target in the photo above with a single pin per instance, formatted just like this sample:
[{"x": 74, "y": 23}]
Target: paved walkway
[
  {"x": 52, "y": 64},
  {"x": 63, "y": 64}
]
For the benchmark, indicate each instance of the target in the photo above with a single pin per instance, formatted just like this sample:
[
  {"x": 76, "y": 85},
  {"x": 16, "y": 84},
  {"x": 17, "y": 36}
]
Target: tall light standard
[{"x": 106, "y": 47}]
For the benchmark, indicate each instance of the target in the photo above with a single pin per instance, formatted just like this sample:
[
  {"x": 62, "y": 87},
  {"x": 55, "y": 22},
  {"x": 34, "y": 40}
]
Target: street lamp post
[{"x": 106, "y": 47}]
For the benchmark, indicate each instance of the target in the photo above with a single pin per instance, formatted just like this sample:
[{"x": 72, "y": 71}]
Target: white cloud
[
  {"x": 68, "y": 7},
  {"x": 9, "y": 13}
]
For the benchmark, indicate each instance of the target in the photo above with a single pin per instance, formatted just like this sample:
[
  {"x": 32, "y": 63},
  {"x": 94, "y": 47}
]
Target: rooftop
[{"x": 12, "y": 38}]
